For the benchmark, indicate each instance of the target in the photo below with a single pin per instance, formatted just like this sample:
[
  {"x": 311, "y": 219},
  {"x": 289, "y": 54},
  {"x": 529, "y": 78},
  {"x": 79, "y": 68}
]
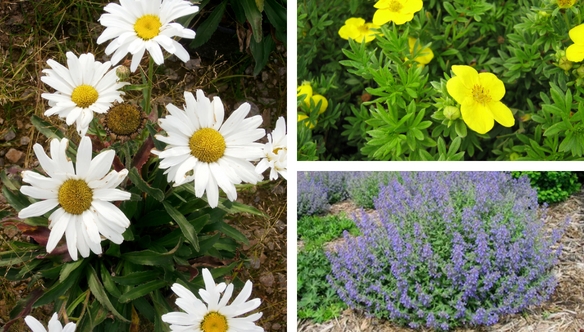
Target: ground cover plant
[
  {"x": 440, "y": 80},
  {"x": 433, "y": 232},
  {"x": 134, "y": 200}
]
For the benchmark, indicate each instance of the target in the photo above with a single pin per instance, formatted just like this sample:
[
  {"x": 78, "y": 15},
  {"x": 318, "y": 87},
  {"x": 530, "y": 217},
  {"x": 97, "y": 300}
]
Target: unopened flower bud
[
  {"x": 514, "y": 156},
  {"x": 580, "y": 72},
  {"x": 565, "y": 64},
  {"x": 451, "y": 112},
  {"x": 323, "y": 102},
  {"x": 123, "y": 72}
]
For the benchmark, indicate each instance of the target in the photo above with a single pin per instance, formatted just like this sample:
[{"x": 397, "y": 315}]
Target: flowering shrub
[
  {"x": 449, "y": 249},
  {"x": 499, "y": 81},
  {"x": 552, "y": 187},
  {"x": 335, "y": 183},
  {"x": 311, "y": 195},
  {"x": 363, "y": 187}
]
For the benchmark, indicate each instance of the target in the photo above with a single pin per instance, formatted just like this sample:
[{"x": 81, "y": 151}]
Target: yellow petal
[
  {"x": 401, "y": 17},
  {"x": 468, "y": 74},
  {"x": 382, "y": 16},
  {"x": 347, "y": 32},
  {"x": 411, "y": 6},
  {"x": 495, "y": 86},
  {"x": 355, "y": 21},
  {"x": 502, "y": 113},
  {"x": 458, "y": 90},
  {"x": 476, "y": 116},
  {"x": 305, "y": 89},
  {"x": 577, "y": 34},
  {"x": 323, "y": 102},
  {"x": 575, "y": 53},
  {"x": 382, "y": 4}
]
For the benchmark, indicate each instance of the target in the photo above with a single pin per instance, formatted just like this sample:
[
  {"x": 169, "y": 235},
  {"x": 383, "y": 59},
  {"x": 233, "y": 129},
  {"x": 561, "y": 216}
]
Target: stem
[{"x": 148, "y": 92}]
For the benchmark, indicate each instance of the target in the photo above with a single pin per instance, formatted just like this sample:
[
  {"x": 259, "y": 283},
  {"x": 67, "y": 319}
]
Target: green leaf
[
  {"x": 98, "y": 291},
  {"x": 141, "y": 290},
  {"x": 59, "y": 288},
  {"x": 208, "y": 27},
  {"x": 150, "y": 257},
  {"x": 134, "y": 278},
  {"x": 17, "y": 200},
  {"x": 46, "y": 128},
  {"x": 460, "y": 128},
  {"x": 276, "y": 14},
  {"x": 145, "y": 187},
  {"x": 261, "y": 53},
  {"x": 254, "y": 17},
  {"x": 232, "y": 232},
  {"x": 187, "y": 229},
  {"x": 555, "y": 129}
]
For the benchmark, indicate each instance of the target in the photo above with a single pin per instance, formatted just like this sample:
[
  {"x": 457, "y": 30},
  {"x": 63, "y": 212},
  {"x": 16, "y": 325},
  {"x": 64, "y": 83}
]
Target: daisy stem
[{"x": 148, "y": 94}]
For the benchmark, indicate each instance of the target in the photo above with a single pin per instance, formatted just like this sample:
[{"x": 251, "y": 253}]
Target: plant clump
[{"x": 448, "y": 250}]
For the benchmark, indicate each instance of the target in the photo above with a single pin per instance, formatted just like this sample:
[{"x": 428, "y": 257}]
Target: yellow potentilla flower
[
  {"x": 305, "y": 89},
  {"x": 309, "y": 124},
  {"x": 323, "y": 102},
  {"x": 398, "y": 11},
  {"x": 575, "y": 52},
  {"x": 566, "y": 3},
  {"x": 426, "y": 53},
  {"x": 479, "y": 96},
  {"x": 356, "y": 29}
]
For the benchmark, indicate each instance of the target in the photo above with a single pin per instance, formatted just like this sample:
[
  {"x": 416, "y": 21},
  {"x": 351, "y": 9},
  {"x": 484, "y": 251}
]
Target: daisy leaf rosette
[
  {"x": 203, "y": 148},
  {"x": 82, "y": 194},
  {"x": 275, "y": 152},
  {"x": 137, "y": 26},
  {"x": 479, "y": 95},
  {"x": 54, "y": 325},
  {"x": 83, "y": 87},
  {"x": 213, "y": 314}
]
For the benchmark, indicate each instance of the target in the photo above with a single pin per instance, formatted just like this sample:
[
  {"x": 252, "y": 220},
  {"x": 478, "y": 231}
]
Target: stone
[
  {"x": 19, "y": 124},
  {"x": 10, "y": 135},
  {"x": 14, "y": 156},
  {"x": 25, "y": 140},
  {"x": 276, "y": 326}
]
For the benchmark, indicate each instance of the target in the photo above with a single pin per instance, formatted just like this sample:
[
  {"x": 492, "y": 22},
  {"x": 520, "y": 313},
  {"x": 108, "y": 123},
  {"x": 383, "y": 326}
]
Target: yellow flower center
[
  {"x": 395, "y": 6},
  {"x": 480, "y": 94},
  {"x": 363, "y": 28},
  {"x": 214, "y": 322},
  {"x": 147, "y": 26},
  {"x": 84, "y": 95},
  {"x": 75, "y": 196},
  {"x": 123, "y": 119},
  {"x": 207, "y": 145},
  {"x": 566, "y": 3}
]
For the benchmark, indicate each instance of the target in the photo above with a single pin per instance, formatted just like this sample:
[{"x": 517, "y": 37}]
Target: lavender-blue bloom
[{"x": 447, "y": 249}]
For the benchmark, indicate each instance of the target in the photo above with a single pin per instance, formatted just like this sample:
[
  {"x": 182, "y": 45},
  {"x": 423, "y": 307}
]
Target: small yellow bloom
[
  {"x": 426, "y": 53},
  {"x": 305, "y": 89},
  {"x": 398, "y": 11},
  {"x": 323, "y": 102},
  {"x": 309, "y": 124},
  {"x": 566, "y": 3},
  {"x": 356, "y": 29},
  {"x": 575, "y": 52},
  {"x": 479, "y": 96}
]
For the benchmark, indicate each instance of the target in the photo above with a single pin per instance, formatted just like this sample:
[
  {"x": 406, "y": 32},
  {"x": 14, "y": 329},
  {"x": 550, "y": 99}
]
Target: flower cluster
[
  {"x": 449, "y": 249},
  {"x": 195, "y": 145},
  {"x": 311, "y": 195}
]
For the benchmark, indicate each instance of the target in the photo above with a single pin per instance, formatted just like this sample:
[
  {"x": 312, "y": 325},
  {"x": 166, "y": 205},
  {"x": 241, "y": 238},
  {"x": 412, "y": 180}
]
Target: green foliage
[
  {"x": 317, "y": 300},
  {"x": 315, "y": 231},
  {"x": 552, "y": 187},
  {"x": 384, "y": 107},
  {"x": 363, "y": 187},
  {"x": 252, "y": 12}
]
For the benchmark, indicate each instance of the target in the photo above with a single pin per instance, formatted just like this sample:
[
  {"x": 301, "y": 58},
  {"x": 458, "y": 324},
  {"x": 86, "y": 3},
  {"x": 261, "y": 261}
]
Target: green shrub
[
  {"x": 552, "y": 187},
  {"x": 315, "y": 231}
]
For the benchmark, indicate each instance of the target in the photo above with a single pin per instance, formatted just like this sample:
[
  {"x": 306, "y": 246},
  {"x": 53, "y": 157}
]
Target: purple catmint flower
[{"x": 446, "y": 249}]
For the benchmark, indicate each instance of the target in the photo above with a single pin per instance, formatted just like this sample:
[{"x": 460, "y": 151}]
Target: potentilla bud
[
  {"x": 123, "y": 73},
  {"x": 451, "y": 112},
  {"x": 565, "y": 64},
  {"x": 580, "y": 72}
]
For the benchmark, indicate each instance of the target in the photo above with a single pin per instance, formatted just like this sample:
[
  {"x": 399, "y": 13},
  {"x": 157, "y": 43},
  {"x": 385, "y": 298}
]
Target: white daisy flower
[
  {"x": 216, "y": 315},
  {"x": 140, "y": 25},
  {"x": 82, "y": 196},
  {"x": 201, "y": 147},
  {"x": 83, "y": 88},
  {"x": 275, "y": 152},
  {"x": 54, "y": 325}
]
